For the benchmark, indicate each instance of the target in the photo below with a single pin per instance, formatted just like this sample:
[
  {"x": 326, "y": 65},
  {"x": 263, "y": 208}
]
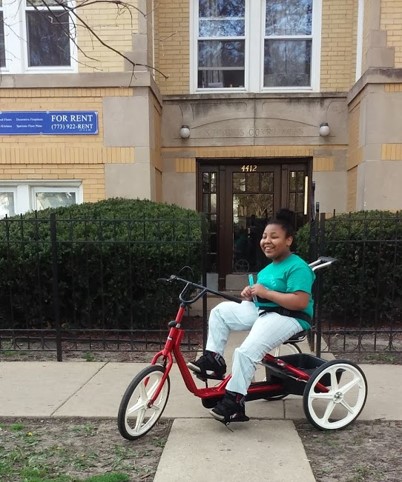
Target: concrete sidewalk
[{"x": 197, "y": 445}]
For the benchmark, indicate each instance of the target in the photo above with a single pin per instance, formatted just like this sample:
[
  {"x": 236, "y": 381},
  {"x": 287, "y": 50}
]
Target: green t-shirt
[{"x": 288, "y": 276}]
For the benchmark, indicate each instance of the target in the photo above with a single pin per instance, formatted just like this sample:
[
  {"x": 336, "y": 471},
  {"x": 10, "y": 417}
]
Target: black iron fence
[
  {"x": 359, "y": 299},
  {"x": 73, "y": 287}
]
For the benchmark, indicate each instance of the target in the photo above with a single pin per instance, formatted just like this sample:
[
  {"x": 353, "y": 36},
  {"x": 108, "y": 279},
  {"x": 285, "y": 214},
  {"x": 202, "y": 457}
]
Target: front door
[{"x": 238, "y": 199}]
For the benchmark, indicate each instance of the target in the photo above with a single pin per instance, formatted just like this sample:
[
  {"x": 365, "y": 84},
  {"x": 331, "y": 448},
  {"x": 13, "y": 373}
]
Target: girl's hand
[
  {"x": 259, "y": 290},
  {"x": 246, "y": 293}
]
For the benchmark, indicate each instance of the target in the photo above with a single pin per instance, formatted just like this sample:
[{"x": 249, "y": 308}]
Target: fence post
[
  {"x": 312, "y": 256},
  {"x": 321, "y": 244},
  {"x": 56, "y": 301},
  {"x": 204, "y": 241}
]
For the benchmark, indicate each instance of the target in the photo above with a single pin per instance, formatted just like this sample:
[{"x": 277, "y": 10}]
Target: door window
[{"x": 253, "y": 204}]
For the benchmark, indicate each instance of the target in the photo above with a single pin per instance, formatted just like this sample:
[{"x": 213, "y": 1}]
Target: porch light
[
  {"x": 324, "y": 129},
  {"x": 184, "y": 132}
]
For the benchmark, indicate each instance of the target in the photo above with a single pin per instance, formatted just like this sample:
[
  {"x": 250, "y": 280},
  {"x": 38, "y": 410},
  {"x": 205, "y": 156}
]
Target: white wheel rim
[
  {"x": 343, "y": 402},
  {"x": 139, "y": 416}
]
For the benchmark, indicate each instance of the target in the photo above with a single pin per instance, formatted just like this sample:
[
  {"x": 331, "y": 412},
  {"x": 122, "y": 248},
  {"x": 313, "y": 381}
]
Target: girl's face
[{"x": 275, "y": 243}]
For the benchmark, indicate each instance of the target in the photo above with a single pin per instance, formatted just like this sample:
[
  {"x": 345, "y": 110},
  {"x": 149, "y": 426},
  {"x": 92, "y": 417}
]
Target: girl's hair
[{"x": 286, "y": 219}]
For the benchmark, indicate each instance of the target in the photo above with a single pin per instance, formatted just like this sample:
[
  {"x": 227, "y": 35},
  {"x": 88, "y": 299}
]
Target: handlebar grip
[{"x": 327, "y": 259}]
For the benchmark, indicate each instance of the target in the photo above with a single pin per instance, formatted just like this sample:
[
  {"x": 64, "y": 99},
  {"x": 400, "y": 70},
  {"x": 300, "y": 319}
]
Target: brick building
[{"x": 255, "y": 104}]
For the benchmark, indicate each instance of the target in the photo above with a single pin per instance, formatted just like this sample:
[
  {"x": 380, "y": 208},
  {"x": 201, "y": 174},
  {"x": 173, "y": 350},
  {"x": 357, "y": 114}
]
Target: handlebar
[
  {"x": 321, "y": 262},
  {"x": 203, "y": 290}
]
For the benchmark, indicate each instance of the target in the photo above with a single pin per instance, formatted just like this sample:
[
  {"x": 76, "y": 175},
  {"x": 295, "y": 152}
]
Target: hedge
[
  {"x": 109, "y": 257},
  {"x": 365, "y": 285}
]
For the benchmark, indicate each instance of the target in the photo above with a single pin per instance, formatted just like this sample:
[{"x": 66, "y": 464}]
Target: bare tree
[{"x": 69, "y": 18}]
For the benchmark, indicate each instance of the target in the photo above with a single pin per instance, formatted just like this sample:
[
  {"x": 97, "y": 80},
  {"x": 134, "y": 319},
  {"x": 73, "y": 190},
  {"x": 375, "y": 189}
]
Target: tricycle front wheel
[
  {"x": 344, "y": 400},
  {"x": 137, "y": 415}
]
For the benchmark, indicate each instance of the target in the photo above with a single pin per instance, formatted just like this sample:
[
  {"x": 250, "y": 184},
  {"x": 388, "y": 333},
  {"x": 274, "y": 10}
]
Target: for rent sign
[{"x": 49, "y": 123}]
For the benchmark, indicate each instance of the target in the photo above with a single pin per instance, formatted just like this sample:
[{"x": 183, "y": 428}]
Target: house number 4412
[{"x": 248, "y": 167}]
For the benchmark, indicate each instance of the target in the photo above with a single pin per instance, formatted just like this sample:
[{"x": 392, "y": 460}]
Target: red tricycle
[{"x": 334, "y": 392}]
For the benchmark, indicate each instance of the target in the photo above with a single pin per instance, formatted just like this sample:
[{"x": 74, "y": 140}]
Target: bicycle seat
[{"x": 297, "y": 337}]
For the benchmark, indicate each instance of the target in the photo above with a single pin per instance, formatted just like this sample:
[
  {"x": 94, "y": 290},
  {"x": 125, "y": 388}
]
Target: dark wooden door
[{"x": 238, "y": 198}]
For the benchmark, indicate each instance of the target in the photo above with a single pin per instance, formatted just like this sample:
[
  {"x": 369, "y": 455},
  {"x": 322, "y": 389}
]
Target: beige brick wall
[
  {"x": 92, "y": 176},
  {"x": 352, "y": 189},
  {"x": 391, "y": 21},
  {"x": 237, "y": 152},
  {"x": 58, "y": 157},
  {"x": 172, "y": 45},
  {"x": 366, "y": 31},
  {"x": 354, "y": 148},
  {"x": 114, "y": 26},
  {"x": 156, "y": 158},
  {"x": 186, "y": 164},
  {"x": 338, "y": 45}
]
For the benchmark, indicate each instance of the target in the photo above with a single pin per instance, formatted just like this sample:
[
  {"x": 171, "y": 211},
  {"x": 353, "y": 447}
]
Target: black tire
[
  {"x": 135, "y": 418},
  {"x": 345, "y": 399}
]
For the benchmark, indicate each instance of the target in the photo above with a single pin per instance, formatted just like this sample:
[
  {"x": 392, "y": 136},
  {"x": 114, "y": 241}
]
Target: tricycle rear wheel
[{"x": 344, "y": 400}]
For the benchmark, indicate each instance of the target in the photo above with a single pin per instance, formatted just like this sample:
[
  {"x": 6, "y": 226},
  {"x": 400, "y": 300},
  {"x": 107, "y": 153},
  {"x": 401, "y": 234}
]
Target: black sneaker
[
  {"x": 210, "y": 365},
  {"x": 230, "y": 409}
]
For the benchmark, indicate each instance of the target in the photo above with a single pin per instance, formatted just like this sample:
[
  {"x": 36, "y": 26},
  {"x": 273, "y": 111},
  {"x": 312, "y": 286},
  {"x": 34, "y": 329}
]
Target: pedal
[{"x": 235, "y": 418}]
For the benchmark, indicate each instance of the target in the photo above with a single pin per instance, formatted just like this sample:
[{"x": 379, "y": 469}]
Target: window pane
[
  {"x": 221, "y": 8},
  {"x": 288, "y": 17},
  {"x": 222, "y": 28},
  {"x": 48, "y": 38},
  {"x": 253, "y": 182},
  {"x": 7, "y": 204},
  {"x": 216, "y": 53},
  {"x": 267, "y": 182},
  {"x": 238, "y": 182},
  {"x": 221, "y": 63},
  {"x": 54, "y": 199},
  {"x": 45, "y": 3},
  {"x": 287, "y": 63},
  {"x": 2, "y": 47}
]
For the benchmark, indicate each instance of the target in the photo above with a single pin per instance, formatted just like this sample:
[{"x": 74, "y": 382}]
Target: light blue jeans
[{"x": 266, "y": 333}]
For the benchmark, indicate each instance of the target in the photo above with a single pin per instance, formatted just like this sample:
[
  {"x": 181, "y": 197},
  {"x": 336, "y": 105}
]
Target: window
[
  {"x": 42, "y": 30},
  {"x": 221, "y": 43},
  {"x": 32, "y": 196},
  {"x": 256, "y": 45},
  {"x": 53, "y": 198},
  {"x": 7, "y": 206},
  {"x": 287, "y": 43}
]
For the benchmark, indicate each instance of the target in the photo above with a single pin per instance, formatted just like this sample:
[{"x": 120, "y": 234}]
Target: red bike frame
[{"x": 255, "y": 391}]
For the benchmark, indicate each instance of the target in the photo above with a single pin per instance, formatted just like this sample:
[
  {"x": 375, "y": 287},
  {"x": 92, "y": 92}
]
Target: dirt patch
[
  {"x": 72, "y": 450},
  {"x": 363, "y": 451}
]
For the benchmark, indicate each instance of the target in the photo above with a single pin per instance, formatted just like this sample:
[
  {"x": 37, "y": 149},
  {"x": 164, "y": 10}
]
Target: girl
[{"x": 283, "y": 306}]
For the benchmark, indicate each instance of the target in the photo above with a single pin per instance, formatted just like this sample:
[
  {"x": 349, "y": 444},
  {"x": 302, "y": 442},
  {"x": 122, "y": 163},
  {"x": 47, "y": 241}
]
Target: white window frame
[
  {"x": 16, "y": 42},
  {"x": 13, "y": 190},
  {"x": 254, "y": 51},
  {"x": 25, "y": 191}
]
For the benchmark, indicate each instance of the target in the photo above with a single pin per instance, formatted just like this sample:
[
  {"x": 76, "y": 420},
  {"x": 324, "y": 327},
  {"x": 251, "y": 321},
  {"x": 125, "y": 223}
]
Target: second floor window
[
  {"x": 221, "y": 43},
  {"x": 256, "y": 45},
  {"x": 35, "y": 36}
]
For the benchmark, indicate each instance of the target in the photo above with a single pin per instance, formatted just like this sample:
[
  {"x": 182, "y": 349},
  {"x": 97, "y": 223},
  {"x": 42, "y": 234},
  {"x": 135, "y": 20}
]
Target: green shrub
[
  {"x": 109, "y": 256},
  {"x": 365, "y": 285}
]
